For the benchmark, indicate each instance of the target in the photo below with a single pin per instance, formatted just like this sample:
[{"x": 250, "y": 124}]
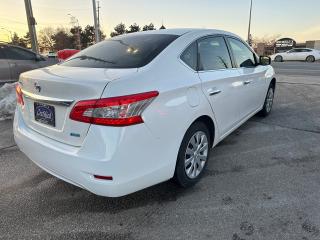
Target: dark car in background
[{"x": 15, "y": 60}]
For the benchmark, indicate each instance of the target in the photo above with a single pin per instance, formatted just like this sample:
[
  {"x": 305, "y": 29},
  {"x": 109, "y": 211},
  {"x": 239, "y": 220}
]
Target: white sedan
[
  {"x": 141, "y": 108},
  {"x": 297, "y": 54}
]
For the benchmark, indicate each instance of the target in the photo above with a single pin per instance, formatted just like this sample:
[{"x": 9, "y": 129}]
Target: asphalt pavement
[
  {"x": 262, "y": 182},
  {"x": 296, "y": 68}
]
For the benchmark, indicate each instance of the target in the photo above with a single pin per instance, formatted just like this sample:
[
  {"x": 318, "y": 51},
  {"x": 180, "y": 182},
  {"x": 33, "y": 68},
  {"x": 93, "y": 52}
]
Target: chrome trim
[{"x": 49, "y": 100}]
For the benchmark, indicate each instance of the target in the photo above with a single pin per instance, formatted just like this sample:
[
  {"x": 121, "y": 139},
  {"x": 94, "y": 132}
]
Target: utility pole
[
  {"x": 249, "y": 28},
  {"x": 96, "y": 26},
  {"x": 98, "y": 9},
  {"x": 31, "y": 25}
]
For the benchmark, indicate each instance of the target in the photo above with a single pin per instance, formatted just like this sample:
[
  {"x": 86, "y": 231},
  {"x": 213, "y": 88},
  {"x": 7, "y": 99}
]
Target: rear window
[{"x": 126, "y": 51}]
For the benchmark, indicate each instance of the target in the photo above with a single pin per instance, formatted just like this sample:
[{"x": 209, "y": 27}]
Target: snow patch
[{"x": 7, "y": 101}]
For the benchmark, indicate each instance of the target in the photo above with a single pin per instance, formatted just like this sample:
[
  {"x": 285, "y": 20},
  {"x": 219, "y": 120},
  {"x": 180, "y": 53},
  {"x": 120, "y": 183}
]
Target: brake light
[
  {"x": 114, "y": 111},
  {"x": 19, "y": 95}
]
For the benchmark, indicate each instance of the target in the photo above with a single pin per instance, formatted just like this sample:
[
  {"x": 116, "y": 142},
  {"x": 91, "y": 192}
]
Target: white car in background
[
  {"x": 142, "y": 108},
  {"x": 297, "y": 54}
]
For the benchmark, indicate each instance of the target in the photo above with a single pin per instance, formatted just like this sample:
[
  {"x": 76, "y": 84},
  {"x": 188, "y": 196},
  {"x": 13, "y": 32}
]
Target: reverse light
[
  {"x": 114, "y": 111},
  {"x": 19, "y": 95}
]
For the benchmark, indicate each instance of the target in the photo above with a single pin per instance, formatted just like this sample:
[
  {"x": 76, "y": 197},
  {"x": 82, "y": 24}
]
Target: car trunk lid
[{"x": 49, "y": 95}]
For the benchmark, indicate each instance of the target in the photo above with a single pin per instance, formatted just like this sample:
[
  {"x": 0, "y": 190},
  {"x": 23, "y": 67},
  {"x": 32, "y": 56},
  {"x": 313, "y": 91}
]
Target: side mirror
[{"x": 264, "y": 60}]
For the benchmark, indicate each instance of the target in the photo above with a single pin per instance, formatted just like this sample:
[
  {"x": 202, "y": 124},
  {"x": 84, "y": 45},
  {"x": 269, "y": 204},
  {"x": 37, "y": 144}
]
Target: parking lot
[{"x": 262, "y": 182}]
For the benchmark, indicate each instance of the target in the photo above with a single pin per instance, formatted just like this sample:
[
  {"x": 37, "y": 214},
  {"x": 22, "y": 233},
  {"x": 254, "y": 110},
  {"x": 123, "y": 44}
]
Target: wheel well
[{"x": 210, "y": 125}]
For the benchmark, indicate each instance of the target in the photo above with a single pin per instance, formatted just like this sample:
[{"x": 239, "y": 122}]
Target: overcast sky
[{"x": 299, "y": 19}]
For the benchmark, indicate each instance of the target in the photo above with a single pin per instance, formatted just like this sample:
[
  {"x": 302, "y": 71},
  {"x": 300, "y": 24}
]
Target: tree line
[
  {"x": 121, "y": 29},
  {"x": 55, "y": 39}
]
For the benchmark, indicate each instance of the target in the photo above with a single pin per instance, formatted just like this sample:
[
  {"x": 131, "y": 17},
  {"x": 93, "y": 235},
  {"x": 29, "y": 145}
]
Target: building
[{"x": 313, "y": 44}]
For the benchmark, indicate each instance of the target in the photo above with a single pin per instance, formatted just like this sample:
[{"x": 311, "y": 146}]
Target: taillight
[
  {"x": 19, "y": 95},
  {"x": 114, "y": 111}
]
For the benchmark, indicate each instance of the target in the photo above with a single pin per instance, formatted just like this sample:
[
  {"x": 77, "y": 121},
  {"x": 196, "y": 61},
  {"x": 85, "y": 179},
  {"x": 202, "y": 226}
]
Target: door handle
[
  {"x": 247, "y": 82},
  {"x": 213, "y": 91}
]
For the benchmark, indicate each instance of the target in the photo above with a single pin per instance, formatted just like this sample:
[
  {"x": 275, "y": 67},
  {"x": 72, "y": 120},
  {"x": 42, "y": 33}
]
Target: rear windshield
[{"x": 126, "y": 51}]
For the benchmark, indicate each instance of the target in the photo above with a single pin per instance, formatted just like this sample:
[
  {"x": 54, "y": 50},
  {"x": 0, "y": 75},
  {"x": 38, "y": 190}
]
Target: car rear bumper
[{"x": 132, "y": 156}]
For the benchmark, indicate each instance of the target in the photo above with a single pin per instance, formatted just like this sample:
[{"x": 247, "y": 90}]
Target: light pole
[
  {"x": 96, "y": 23},
  {"x": 249, "y": 28},
  {"x": 75, "y": 22},
  {"x": 8, "y": 32}
]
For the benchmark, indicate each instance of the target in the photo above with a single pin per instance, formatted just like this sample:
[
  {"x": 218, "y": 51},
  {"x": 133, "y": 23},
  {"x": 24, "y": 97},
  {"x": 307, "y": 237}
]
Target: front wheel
[
  {"x": 268, "y": 102},
  {"x": 193, "y": 155},
  {"x": 278, "y": 58}
]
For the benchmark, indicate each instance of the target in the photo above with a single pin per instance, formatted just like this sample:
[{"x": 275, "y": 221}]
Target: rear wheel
[
  {"x": 268, "y": 102},
  {"x": 310, "y": 59},
  {"x": 278, "y": 58},
  {"x": 193, "y": 155}
]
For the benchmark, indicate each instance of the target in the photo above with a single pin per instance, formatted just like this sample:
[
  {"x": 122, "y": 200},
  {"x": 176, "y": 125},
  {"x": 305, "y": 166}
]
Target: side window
[
  {"x": 18, "y": 54},
  {"x": 189, "y": 56},
  {"x": 213, "y": 54},
  {"x": 243, "y": 56}
]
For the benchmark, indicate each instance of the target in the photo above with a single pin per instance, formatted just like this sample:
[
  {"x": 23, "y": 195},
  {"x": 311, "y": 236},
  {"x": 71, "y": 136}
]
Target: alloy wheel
[
  {"x": 269, "y": 100},
  {"x": 196, "y": 154}
]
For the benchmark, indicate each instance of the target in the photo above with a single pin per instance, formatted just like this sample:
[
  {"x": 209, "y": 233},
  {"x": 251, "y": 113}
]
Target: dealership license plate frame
[{"x": 50, "y": 121}]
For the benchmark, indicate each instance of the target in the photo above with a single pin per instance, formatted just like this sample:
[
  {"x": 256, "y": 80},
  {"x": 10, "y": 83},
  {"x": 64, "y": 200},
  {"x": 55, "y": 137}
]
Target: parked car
[
  {"x": 141, "y": 108},
  {"x": 66, "y": 53},
  {"x": 15, "y": 60},
  {"x": 297, "y": 54}
]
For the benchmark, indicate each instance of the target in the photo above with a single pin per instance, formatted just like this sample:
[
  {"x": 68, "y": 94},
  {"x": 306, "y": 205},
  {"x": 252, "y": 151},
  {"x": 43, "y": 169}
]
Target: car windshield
[{"x": 126, "y": 51}]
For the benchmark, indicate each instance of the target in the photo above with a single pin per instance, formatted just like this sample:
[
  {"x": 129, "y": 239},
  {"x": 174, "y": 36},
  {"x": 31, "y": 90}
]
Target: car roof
[
  {"x": 16, "y": 46},
  {"x": 182, "y": 31}
]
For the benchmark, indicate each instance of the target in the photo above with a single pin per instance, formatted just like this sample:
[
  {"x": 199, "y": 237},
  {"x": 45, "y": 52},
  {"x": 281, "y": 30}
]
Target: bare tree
[
  {"x": 46, "y": 42},
  {"x": 267, "y": 40}
]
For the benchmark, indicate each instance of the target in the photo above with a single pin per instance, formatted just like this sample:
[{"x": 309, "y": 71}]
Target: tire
[
  {"x": 278, "y": 58},
  {"x": 192, "y": 163},
  {"x": 268, "y": 102},
  {"x": 310, "y": 58}
]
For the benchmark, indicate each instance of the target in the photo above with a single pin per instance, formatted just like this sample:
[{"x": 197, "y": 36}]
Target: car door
[
  {"x": 304, "y": 53},
  {"x": 252, "y": 76},
  {"x": 296, "y": 55},
  {"x": 5, "y": 74},
  {"x": 289, "y": 55},
  {"x": 220, "y": 82},
  {"x": 20, "y": 60},
  {"x": 299, "y": 55}
]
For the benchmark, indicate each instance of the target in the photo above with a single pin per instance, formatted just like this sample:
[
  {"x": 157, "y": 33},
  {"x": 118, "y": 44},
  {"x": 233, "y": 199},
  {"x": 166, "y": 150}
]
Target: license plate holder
[{"x": 44, "y": 114}]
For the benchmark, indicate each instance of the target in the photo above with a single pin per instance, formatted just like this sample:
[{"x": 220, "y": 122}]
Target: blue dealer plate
[{"x": 44, "y": 113}]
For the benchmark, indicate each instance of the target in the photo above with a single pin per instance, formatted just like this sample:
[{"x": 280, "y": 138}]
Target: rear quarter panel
[{"x": 179, "y": 104}]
